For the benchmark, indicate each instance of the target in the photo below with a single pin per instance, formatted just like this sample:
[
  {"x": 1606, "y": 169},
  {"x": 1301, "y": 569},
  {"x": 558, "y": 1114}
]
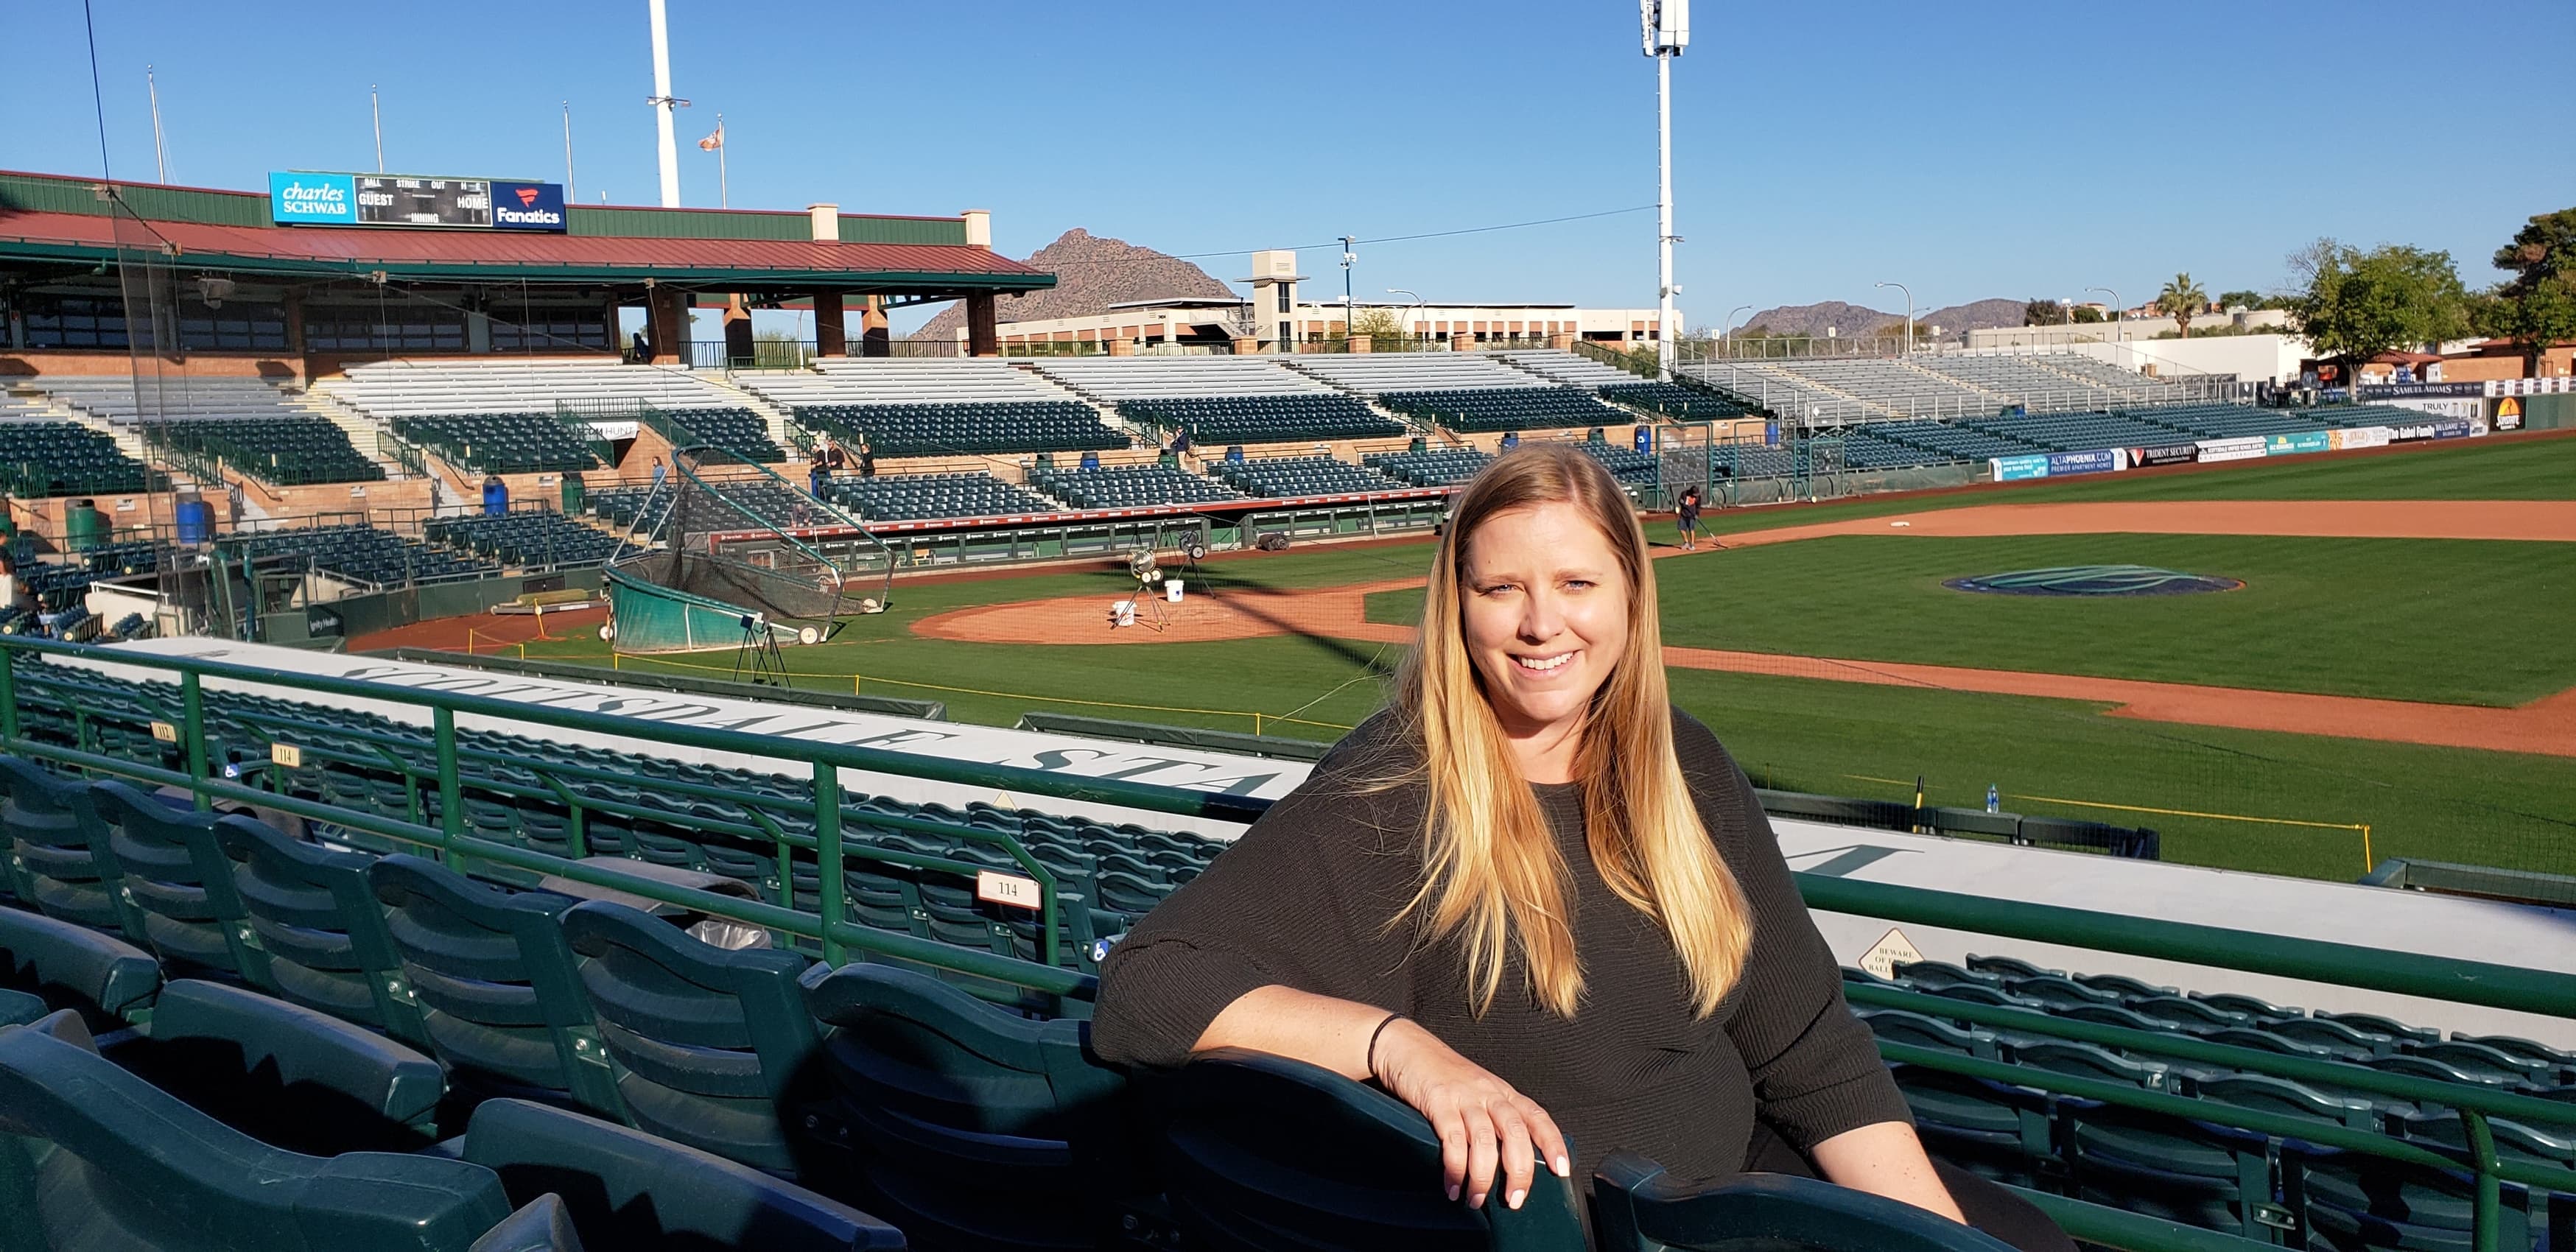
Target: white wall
[{"x": 2251, "y": 358}]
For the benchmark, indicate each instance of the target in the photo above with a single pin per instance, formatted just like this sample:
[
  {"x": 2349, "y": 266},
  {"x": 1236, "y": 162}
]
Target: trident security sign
[{"x": 305, "y": 198}]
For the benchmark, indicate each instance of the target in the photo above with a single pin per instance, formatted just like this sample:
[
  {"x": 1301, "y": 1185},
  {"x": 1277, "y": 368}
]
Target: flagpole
[
  {"x": 572, "y": 187},
  {"x": 375, "y": 108},
  {"x": 724, "y": 193},
  {"x": 160, "y": 150}
]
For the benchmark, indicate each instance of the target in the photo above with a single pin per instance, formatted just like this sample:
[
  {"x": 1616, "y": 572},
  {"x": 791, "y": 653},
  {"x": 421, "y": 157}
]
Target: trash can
[
  {"x": 1645, "y": 439},
  {"x": 496, "y": 496},
  {"x": 196, "y": 520},
  {"x": 84, "y": 527}
]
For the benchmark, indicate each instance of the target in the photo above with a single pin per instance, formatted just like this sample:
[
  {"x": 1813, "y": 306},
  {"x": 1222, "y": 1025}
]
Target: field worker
[
  {"x": 1689, "y": 519},
  {"x": 1537, "y": 903}
]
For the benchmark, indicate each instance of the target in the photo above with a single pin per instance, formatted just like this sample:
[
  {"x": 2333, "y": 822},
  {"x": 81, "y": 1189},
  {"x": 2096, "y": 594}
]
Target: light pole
[
  {"x": 1909, "y": 313},
  {"x": 1666, "y": 31},
  {"x": 1729, "y": 324},
  {"x": 1415, "y": 329},
  {"x": 663, "y": 102},
  {"x": 2119, "y": 315},
  {"x": 1350, "y": 323}
]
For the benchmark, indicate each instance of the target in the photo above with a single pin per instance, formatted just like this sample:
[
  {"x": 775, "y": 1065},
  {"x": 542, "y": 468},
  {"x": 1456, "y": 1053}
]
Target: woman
[{"x": 1536, "y": 903}]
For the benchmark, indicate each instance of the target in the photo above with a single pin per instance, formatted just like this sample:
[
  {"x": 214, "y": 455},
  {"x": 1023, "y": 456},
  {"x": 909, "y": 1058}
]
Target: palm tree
[{"x": 2180, "y": 299}]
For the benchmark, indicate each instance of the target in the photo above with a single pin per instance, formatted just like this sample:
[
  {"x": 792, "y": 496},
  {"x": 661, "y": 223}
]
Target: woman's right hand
[{"x": 1482, "y": 1122}]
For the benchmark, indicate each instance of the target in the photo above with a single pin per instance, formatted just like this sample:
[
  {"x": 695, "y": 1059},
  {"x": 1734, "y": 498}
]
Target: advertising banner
[
  {"x": 2359, "y": 437},
  {"x": 2170, "y": 454},
  {"x": 2451, "y": 428},
  {"x": 2508, "y": 414},
  {"x": 2012, "y": 468},
  {"x": 2304, "y": 441},
  {"x": 2242, "y": 448},
  {"x": 535, "y": 206},
  {"x": 2101, "y": 461},
  {"x": 2418, "y": 391},
  {"x": 305, "y": 198},
  {"x": 313, "y": 199}
]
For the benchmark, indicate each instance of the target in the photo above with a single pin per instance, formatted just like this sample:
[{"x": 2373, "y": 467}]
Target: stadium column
[
  {"x": 876, "y": 338},
  {"x": 667, "y": 313},
  {"x": 981, "y": 340},
  {"x": 831, "y": 337},
  {"x": 737, "y": 328}
]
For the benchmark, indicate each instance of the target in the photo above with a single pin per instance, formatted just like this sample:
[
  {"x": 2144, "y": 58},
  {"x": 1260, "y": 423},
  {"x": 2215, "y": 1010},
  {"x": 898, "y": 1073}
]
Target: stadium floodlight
[
  {"x": 1909, "y": 313},
  {"x": 2119, "y": 315},
  {"x": 663, "y": 102},
  {"x": 1665, "y": 28}
]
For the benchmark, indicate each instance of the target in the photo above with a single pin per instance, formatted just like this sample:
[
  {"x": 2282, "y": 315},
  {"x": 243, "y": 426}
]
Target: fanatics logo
[{"x": 527, "y": 197}]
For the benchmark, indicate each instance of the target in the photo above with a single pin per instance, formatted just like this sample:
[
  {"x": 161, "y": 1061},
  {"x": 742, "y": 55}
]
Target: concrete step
[
  {"x": 775, "y": 415},
  {"x": 361, "y": 429}
]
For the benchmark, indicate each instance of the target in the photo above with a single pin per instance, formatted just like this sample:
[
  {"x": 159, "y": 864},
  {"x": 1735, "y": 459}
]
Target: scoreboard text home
[{"x": 306, "y": 198}]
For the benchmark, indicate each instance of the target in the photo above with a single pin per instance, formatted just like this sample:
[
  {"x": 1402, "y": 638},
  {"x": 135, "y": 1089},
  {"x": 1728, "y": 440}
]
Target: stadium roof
[{"x": 48, "y": 218}]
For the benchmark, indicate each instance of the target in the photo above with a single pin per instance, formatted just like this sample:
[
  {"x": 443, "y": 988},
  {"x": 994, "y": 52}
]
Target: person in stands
[
  {"x": 660, "y": 471},
  {"x": 867, "y": 460},
  {"x": 1537, "y": 903}
]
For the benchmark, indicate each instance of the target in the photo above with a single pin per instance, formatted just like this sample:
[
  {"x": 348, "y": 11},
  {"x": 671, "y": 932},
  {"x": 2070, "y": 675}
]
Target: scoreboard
[
  {"x": 385, "y": 200},
  {"x": 304, "y": 198}
]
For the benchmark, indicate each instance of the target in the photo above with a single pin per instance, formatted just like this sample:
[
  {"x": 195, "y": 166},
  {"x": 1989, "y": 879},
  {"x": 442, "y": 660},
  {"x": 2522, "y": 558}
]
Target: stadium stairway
[
  {"x": 783, "y": 429},
  {"x": 363, "y": 431}
]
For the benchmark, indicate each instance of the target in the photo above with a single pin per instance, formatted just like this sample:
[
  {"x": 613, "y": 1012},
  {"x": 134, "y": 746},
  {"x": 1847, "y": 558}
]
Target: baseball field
[{"x": 2397, "y": 667}]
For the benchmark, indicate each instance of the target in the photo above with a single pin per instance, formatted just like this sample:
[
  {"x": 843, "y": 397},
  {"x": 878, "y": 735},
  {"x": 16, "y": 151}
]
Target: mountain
[
  {"x": 1852, "y": 319},
  {"x": 1091, "y": 273}
]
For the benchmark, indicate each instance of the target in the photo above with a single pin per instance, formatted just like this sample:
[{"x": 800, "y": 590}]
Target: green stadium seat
[
  {"x": 2255, "y": 1007},
  {"x": 543, "y": 1224},
  {"x": 2193, "y": 1172},
  {"x": 498, "y": 987},
  {"x": 2123, "y": 986},
  {"x": 2008, "y": 967},
  {"x": 2182, "y": 1013},
  {"x": 1990, "y": 1129},
  {"x": 2053, "y": 991},
  {"x": 321, "y": 934},
  {"x": 2264, "y": 1093},
  {"x": 2374, "y": 1024},
  {"x": 286, "y": 1075},
  {"x": 173, "y": 882},
  {"x": 971, "y": 1126},
  {"x": 1934, "y": 975},
  {"x": 710, "y": 1047},
  {"x": 2352, "y": 1202},
  {"x": 54, "y": 863},
  {"x": 69, "y": 966},
  {"x": 124, "y": 1165},
  {"x": 622, "y": 1189},
  {"x": 1640, "y": 1208},
  {"x": 2084, "y": 1060},
  {"x": 2332, "y": 1037},
  {"x": 1917, "y": 1030},
  {"x": 1262, "y": 1153}
]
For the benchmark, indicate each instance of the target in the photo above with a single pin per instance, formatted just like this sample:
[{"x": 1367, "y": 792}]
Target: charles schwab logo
[
  {"x": 528, "y": 206},
  {"x": 306, "y": 197}
]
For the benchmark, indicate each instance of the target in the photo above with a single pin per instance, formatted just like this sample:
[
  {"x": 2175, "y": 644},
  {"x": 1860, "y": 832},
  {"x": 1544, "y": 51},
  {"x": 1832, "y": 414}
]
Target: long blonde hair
[{"x": 1491, "y": 870}]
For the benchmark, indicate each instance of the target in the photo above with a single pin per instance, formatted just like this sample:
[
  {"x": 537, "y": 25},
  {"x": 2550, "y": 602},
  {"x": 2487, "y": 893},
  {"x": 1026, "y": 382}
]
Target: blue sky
[{"x": 1970, "y": 150}]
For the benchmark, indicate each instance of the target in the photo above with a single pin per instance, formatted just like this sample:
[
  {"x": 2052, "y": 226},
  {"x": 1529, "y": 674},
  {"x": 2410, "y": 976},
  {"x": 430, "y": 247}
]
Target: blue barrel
[
  {"x": 1646, "y": 439},
  {"x": 496, "y": 496},
  {"x": 1771, "y": 434},
  {"x": 1234, "y": 453},
  {"x": 1091, "y": 460},
  {"x": 196, "y": 521}
]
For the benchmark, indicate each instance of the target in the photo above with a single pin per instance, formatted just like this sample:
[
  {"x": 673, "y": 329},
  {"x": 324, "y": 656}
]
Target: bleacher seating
[
  {"x": 1261, "y": 419},
  {"x": 1129, "y": 486},
  {"x": 1504, "y": 408},
  {"x": 1569, "y": 368},
  {"x": 933, "y": 406},
  {"x": 1754, "y": 460},
  {"x": 918, "y": 497},
  {"x": 1892, "y": 385},
  {"x": 1959, "y": 443},
  {"x": 1864, "y": 447},
  {"x": 356, "y": 552},
  {"x": 448, "y": 385},
  {"x": 2046, "y": 384},
  {"x": 2226, "y": 421},
  {"x": 735, "y": 429},
  {"x": 58, "y": 584},
  {"x": 501, "y": 443},
  {"x": 1219, "y": 399},
  {"x": 526, "y": 537},
  {"x": 53, "y": 458},
  {"x": 289, "y": 449},
  {"x": 1678, "y": 402},
  {"x": 1283, "y": 477},
  {"x": 2136, "y": 387},
  {"x": 2076, "y": 432},
  {"x": 1767, "y": 388},
  {"x": 1436, "y": 467},
  {"x": 1632, "y": 468},
  {"x": 125, "y": 399}
]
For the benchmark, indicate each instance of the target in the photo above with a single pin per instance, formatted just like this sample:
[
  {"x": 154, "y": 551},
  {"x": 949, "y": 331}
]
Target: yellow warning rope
[{"x": 2367, "y": 862}]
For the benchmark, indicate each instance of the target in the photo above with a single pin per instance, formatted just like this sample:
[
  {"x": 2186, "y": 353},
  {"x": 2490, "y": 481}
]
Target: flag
[{"x": 714, "y": 141}]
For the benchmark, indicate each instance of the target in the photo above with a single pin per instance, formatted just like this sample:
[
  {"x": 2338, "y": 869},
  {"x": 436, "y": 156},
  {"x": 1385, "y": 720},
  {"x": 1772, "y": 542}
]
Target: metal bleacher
[{"x": 935, "y": 406}]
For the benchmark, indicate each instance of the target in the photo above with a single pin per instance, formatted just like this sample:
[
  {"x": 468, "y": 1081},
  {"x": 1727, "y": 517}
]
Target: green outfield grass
[
  {"x": 2446, "y": 621},
  {"x": 2422, "y": 620}
]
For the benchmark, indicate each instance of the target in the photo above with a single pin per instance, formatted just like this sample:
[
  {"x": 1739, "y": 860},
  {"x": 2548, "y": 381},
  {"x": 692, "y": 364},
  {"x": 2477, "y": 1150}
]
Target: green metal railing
[{"x": 2537, "y": 991}]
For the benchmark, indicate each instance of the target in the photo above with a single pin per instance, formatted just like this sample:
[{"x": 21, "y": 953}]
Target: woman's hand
[{"x": 1481, "y": 1120}]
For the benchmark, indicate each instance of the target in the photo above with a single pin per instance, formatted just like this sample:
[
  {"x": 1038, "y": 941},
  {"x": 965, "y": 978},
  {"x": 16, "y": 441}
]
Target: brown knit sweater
[{"x": 1303, "y": 901}]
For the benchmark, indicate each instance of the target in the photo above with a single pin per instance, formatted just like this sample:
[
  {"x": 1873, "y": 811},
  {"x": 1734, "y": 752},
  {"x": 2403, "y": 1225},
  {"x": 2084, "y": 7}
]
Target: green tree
[
  {"x": 2042, "y": 312},
  {"x": 1383, "y": 326},
  {"x": 2182, "y": 299},
  {"x": 2537, "y": 306},
  {"x": 2353, "y": 305},
  {"x": 2086, "y": 315},
  {"x": 2242, "y": 299}
]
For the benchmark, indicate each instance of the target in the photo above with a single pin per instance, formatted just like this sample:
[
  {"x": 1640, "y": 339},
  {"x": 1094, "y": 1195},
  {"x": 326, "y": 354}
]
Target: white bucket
[{"x": 1172, "y": 590}]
